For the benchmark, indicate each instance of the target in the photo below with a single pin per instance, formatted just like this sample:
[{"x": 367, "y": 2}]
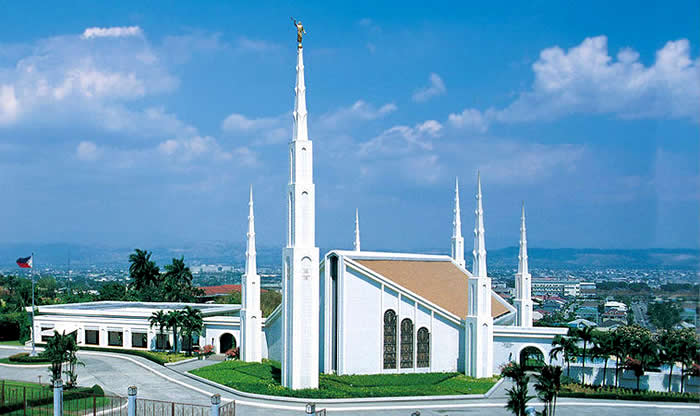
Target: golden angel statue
[{"x": 300, "y": 30}]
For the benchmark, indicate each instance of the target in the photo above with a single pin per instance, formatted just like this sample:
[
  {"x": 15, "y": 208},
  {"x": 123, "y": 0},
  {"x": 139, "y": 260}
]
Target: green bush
[
  {"x": 618, "y": 393},
  {"x": 24, "y": 357},
  {"x": 139, "y": 353}
]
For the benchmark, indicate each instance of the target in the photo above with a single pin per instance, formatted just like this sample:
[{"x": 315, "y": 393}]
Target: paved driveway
[{"x": 116, "y": 372}]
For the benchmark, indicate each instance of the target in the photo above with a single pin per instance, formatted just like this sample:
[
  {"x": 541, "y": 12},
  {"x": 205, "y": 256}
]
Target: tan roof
[{"x": 440, "y": 282}]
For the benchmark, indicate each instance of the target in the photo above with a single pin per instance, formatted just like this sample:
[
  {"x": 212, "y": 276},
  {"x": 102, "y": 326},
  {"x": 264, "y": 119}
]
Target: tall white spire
[
  {"x": 357, "y": 230},
  {"x": 251, "y": 315},
  {"x": 479, "y": 266},
  {"x": 300, "y": 279},
  {"x": 479, "y": 321},
  {"x": 457, "y": 239},
  {"x": 523, "y": 281}
]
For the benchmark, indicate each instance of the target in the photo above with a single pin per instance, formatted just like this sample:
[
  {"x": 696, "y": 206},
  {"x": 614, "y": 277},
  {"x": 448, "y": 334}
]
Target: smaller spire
[
  {"x": 522, "y": 256},
  {"x": 457, "y": 239},
  {"x": 250, "y": 264},
  {"x": 357, "y": 230},
  {"x": 479, "y": 253}
]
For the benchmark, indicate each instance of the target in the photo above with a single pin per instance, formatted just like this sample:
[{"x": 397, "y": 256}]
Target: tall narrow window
[
  {"x": 423, "y": 353},
  {"x": 389, "y": 339},
  {"x": 406, "y": 343}
]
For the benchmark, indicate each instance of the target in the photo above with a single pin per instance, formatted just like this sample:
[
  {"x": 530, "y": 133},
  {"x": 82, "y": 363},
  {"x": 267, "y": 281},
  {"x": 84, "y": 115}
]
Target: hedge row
[
  {"x": 24, "y": 357},
  {"x": 144, "y": 354},
  {"x": 616, "y": 393}
]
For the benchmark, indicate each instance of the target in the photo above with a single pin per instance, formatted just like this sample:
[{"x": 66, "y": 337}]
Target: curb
[
  {"x": 189, "y": 360},
  {"x": 25, "y": 365}
]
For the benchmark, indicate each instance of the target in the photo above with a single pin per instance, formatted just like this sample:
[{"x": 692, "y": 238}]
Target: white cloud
[
  {"x": 195, "y": 147},
  {"x": 586, "y": 79},
  {"x": 436, "y": 87},
  {"x": 8, "y": 104},
  {"x": 87, "y": 151},
  {"x": 360, "y": 110},
  {"x": 112, "y": 32},
  {"x": 239, "y": 122},
  {"x": 401, "y": 140},
  {"x": 256, "y": 45}
]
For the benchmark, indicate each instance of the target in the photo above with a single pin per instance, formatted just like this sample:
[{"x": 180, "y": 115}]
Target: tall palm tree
[
  {"x": 178, "y": 281},
  {"x": 174, "y": 319},
  {"x": 518, "y": 397},
  {"x": 668, "y": 351},
  {"x": 603, "y": 347},
  {"x": 160, "y": 320},
  {"x": 192, "y": 324},
  {"x": 548, "y": 385},
  {"x": 620, "y": 348},
  {"x": 142, "y": 269},
  {"x": 564, "y": 346},
  {"x": 585, "y": 335},
  {"x": 688, "y": 347}
]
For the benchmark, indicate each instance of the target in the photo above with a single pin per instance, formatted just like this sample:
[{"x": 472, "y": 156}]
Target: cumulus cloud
[
  {"x": 8, "y": 104},
  {"x": 87, "y": 151},
  {"x": 359, "y": 110},
  {"x": 436, "y": 87},
  {"x": 112, "y": 32},
  {"x": 586, "y": 79},
  {"x": 195, "y": 147},
  {"x": 400, "y": 140}
]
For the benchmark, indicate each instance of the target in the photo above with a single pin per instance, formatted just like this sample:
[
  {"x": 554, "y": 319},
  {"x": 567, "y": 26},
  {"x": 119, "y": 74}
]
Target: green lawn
[
  {"x": 168, "y": 357},
  {"x": 7, "y": 361},
  {"x": 14, "y": 343},
  {"x": 264, "y": 378},
  {"x": 40, "y": 399}
]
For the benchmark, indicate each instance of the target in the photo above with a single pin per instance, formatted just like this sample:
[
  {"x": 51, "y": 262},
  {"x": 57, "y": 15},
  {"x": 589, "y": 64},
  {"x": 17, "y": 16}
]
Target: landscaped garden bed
[
  {"x": 617, "y": 393},
  {"x": 23, "y": 358},
  {"x": 264, "y": 378}
]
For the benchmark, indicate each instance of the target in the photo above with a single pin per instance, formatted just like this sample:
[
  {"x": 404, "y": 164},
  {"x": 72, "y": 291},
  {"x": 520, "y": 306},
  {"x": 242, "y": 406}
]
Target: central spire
[
  {"x": 250, "y": 254},
  {"x": 522, "y": 256},
  {"x": 479, "y": 266},
  {"x": 457, "y": 239},
  {"x": 251, "y": 316},
  {"x": 357, "y": 230},
  {"x": 300, "y": 125}
]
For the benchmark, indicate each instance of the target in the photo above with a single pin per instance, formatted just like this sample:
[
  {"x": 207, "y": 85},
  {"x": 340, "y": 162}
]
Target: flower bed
[{"x": 616, "y": 393}]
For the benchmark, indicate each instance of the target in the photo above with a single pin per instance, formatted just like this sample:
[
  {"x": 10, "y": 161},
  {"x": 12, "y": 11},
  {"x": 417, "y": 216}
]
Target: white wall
[
  {"x": 272, "y": 340},
  {"x": 213, "y": 333},
  {"x": 655, "y": 381},
  {"x": 509, "y": 341},
  {"x": 102, "y": 324}
]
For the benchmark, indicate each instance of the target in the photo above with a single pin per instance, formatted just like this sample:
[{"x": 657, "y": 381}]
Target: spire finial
[
  {"x": 457, "y": 239},
  {"x": 250, "y": 264},
  {"x": 300, "y": 125},
  {"x": 522, "y": 255},
  {"x": 479, "y": 253},
  {"x": 357, "y": 230}
]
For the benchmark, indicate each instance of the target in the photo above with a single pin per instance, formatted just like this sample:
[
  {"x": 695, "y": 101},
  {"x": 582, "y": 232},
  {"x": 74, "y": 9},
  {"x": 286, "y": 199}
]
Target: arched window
[
  {"x": 406, "y": 343},
  {"x": 423, "y": 353},
  {"x": 389, "y": 339}
]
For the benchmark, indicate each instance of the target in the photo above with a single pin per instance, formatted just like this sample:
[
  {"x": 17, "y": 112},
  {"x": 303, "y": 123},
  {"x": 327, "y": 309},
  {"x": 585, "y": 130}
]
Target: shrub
[
  {"x": 233, "y": 353},
  {"x": 617, "y": 393},
  {"x": 24, "y": 357}
]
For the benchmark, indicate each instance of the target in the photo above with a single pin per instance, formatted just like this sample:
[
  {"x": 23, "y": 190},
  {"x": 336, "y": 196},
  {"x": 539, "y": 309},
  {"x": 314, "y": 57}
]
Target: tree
[
  {"x": 143, "y": 271},
  {"x": 548, "y": 385},
  {"x": 177, "y": 282},
  {"x": 160, "y": 320},
  {"x": 641, "y": 347},
  {"x": 688, "y": 347},
  {"x": 61, "y": 348},
  {"x": 174, "y": 320},
  {"x": 518, "y": 397},
  {"x": 113, "y": 291},
  {"x": 603, "y": 347},
  {"x": 192, "y": 324},
  {"x": 565, "y": 346},
  {"x": 585, "y": 335},
  {"x": 664, "y": 315},
  {"x": 669, "y": 345}
]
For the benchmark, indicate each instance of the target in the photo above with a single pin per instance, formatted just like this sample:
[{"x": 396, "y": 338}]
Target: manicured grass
[
  {"x": 168, "y": 357},
  {"x": 39, "y": 398},
  {"x": 7, "y": 361},
  {"x": 264, "y": 378},
  {"x": 14, "y": 343},
  {"x": 615, "y": 393}
]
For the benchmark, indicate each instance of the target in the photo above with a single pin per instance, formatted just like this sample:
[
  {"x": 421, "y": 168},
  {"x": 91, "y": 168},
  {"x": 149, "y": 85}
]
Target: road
[
  {"x": 116, "y": 372},
  {"x": 639, "y": 310}
]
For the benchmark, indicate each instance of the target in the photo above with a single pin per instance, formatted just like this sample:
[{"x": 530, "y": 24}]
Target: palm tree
[
  {"x": 668, "y": 351},
  {"x": 563, "y": 346},
  {"x": 178, "y": 281},
  {"x": 688, "y": 347},
  {"x": 192, "y": 324},
  {"x": 603, "y": 347},
  {"x": 174, "y": 319},
  {"x": 548, "y": 386},
  {"x": 518, "y": 397},
  {"x": 584, "y": 334},
  {"x": 620, "y": 349},
  {"x": 160, "y": 320},
  {"x": 142, "y": 269},
  {"x": 61, "y": 348}
]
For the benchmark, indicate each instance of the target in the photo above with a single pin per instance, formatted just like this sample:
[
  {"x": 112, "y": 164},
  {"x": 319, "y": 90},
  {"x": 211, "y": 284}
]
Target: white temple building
[{"x": 354, "y": 311}]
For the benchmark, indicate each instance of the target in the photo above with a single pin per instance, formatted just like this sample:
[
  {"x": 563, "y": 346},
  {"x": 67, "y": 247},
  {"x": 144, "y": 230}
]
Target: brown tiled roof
[
  {"x": 440, "y": 282},
  {"x": 222, "y": 290}
]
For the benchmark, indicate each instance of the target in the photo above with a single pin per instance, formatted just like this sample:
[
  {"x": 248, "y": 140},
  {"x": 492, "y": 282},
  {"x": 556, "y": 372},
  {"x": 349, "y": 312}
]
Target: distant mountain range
[{"x": 60, "y": 255}]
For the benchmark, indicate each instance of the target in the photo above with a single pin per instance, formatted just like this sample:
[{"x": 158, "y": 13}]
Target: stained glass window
[
  {"x": 389, "y": 339},
  {"x": 406, "y": 343},
  {"x": 423, "y": 353}
]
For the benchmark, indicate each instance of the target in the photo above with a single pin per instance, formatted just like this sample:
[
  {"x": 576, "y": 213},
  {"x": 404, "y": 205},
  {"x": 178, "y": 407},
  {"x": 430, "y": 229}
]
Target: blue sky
[{"x": 140, "y": 125}]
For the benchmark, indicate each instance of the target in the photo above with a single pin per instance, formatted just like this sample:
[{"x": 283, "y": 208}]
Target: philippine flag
[{"x": 25, "y": 262}]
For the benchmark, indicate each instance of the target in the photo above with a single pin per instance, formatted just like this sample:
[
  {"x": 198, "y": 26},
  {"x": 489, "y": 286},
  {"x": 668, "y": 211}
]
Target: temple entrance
[
  {"x": 531, "y": 358},
  {"x": 226, "y": 342}
]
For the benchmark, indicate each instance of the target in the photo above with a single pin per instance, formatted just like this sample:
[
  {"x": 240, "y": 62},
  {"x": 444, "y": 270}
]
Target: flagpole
[{"x": 33, "y": 344}]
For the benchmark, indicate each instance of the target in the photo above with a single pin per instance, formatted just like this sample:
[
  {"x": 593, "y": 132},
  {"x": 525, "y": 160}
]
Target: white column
[
  {"x": 251, "y": 315},
  {"x": 479, "y": 322},
  {"x": 131, "y": 403},
  {"x": 523, "y": 280},
  {"x": 300, "y": 275},
  {"x": 58, "y": 397}
]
